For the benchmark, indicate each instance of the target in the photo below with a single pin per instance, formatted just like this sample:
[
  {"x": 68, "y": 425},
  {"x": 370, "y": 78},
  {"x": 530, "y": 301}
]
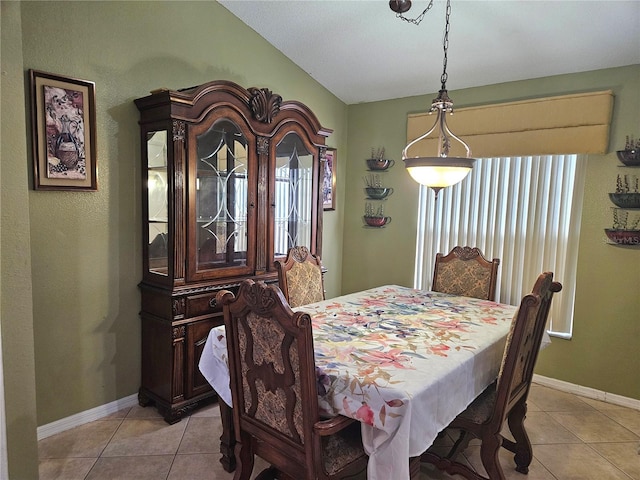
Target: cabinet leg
[
  {"x": 172, "y": 416},
  {"x": 143, "y": 400},
  {"x": 227, "y": 439}
]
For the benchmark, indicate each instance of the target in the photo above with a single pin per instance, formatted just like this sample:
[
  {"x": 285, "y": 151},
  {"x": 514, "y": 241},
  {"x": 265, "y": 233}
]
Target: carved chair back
[
  {"x": 274, "y": 393},
  {"x": 506, "y": 398},
  {"x": 523, "y": 345},
  {"x": 300, "y": 277},
  {"x": 464, "y": 271}
]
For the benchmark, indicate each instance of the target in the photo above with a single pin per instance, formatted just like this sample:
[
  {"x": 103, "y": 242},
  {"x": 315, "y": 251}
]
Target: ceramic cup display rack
[
  {"x": 626, "y": 213},
  {"x": 375, "y": 189},
  {"x": 374, "y": 216}
]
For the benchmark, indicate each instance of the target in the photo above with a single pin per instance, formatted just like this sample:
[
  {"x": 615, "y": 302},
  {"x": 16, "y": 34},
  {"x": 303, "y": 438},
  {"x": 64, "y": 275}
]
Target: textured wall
[
  {"x": 86, "y": 246},
  {"x": 603, "y": 352},
  {"x": 16, "y": 322}
]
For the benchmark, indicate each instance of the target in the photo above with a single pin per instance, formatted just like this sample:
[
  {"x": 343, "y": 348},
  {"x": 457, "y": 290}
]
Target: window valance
[{"x": 577, "y": 123}]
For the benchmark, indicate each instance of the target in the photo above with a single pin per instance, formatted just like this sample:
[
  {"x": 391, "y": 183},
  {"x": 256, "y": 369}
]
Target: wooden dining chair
[
  {"x": 464, "y": 271},
  {"x": 300, "y": 277},
  {"x": 274, "y": 393},
  {"x": 506, "y": 398}
]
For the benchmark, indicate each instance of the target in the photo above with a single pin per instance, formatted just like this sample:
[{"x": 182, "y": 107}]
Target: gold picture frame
[
  {"x": 329, "y": 179},
  {"x": 63, "y": 118}
]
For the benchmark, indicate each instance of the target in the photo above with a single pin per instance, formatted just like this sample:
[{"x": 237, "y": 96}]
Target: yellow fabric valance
[{"x": 577, "y": 123}]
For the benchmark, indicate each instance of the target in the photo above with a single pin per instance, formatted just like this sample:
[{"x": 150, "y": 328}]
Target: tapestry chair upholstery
[
  {"x": 300, "y": 277},
  {"x": 464, "y": 271},
  {"x": 274, "y": 392},
  {"x": 506, "y": 398}
]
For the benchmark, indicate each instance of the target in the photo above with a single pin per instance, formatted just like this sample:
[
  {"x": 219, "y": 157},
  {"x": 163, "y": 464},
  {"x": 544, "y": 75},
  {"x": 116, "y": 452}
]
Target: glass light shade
[{"x": 438, "y": 172}]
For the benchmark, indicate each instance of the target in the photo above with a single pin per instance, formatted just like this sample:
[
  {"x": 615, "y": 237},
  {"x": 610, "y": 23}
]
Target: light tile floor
[{"x": 574, "y": 438}]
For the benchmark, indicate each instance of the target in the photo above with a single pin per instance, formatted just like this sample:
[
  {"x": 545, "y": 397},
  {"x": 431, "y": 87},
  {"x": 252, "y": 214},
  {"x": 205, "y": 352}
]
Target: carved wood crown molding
[
  {"x": 178, "y": 130},
  {"x": 179, "y": 306},
  {"x": 259, "y": 297},
  {"x": 323, "y": 153},
  {"x": 263, "y": 146},
  {"x": 264, "y": 104},
  {"x": 466, "y": 253},
  {"x": 179, "y": 332},
  {"x": 299, "y": 253},
  {"x": 263, "y": 299}
]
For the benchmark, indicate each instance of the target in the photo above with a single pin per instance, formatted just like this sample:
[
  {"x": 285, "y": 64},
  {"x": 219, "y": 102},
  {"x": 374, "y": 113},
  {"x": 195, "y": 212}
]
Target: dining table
[{"x": 403, "y": 362}]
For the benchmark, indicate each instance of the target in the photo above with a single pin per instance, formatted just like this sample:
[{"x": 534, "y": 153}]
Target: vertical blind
[{"x": 523, "y": 210}]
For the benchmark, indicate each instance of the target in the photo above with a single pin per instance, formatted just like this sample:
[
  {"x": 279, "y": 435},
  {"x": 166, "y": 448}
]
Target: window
[{"x": 523, "y": 210}]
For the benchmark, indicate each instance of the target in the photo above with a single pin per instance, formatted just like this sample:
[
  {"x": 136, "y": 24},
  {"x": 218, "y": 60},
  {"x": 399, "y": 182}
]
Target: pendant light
[{"x": 441, "y": 170}]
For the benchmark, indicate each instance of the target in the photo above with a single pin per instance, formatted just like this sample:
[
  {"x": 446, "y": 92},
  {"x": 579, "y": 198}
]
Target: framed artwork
[
  {"x": 329, "y": 179},
  {"x": 63, "y": 126}
]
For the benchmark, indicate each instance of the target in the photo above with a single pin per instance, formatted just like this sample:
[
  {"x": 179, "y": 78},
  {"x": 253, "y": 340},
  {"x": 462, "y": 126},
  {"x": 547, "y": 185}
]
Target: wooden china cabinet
[{"x": 230, "y": 181}]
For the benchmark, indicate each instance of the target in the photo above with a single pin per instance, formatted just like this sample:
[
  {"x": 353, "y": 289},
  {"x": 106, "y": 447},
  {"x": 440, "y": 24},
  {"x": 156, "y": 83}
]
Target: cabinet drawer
[{"x": 204, "y": 304}]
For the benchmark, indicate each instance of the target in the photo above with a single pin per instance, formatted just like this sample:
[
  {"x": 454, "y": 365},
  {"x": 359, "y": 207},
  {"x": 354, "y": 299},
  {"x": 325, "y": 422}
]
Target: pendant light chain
[
  {"x": 440, "y": 170},
  {"x": 418, "y": 19},
  {"x": 445, "y": 43}
]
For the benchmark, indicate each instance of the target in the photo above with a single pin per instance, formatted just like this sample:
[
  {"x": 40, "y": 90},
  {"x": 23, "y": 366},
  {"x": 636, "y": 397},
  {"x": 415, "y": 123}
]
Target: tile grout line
[
  {"x": 609, "y": 461},
  {"x": 188, "y": 419}
]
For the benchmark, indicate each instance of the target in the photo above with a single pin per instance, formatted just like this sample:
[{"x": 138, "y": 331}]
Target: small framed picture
[
  {"x": 63, "y": 118},
  {"x": 329, "y": 179}
]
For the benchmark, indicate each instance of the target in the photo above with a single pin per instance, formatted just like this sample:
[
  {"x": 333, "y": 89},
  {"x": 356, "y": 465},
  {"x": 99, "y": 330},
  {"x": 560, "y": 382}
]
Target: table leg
[
  {"x": 414, "y": 468},
  {"x": 227, "y": 439}
]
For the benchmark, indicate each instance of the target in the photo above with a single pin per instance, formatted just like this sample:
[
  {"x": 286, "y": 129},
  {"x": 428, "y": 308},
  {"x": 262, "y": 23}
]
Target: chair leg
[
  {"x": 489, "y": 455},
  {"x": 522, "y": 446},
  {"x": 269, "y": 473},
  {"x": 244, "y": 459},
  {"x": 228, "y": 438},
  {"x": 460, "y": 445}
]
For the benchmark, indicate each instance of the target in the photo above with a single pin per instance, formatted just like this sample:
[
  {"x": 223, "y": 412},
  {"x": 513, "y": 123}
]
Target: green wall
[
  {"x": 16, "y": 320},
  {"x": 603, "y": 353},
  {"x": 84, "y": 248},
  {"x": 71, "y": 261}
]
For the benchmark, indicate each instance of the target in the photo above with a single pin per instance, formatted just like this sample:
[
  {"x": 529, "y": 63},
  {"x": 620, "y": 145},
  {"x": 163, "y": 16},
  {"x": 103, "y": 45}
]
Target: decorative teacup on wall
[
  {"x": 631, "y": 158},
  {"x": 378, "y": 193},
  {"x": 379, "y": 163},
  {"x": 376, "y": 221},
  {"x": 625, "y": 200}
]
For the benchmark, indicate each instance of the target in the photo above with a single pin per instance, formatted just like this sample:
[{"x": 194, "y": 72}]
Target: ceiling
[{"x": 361, "y": 52}]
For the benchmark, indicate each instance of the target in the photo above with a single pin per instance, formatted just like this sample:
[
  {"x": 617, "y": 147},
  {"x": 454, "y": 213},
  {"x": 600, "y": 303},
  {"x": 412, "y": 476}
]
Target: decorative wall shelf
[
  {"x": 379, "y": 165},
  {"x": 376, "y": 192},
  {"x": 626, "y": 198},
  {"x": 374, "y": 215}
]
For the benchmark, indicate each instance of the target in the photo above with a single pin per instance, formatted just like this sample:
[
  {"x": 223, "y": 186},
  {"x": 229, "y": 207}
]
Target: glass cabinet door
[
  {"x": 157, "y": 203},
  {"x": 221, "y": 198},
  {"x": 293, "y": 194}
]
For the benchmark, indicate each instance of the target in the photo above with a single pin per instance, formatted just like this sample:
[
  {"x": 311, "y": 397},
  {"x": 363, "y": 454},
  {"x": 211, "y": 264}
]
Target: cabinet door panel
[
  {"x": 294, "y": 193},
  {"x": 222, "y": 202},
  {"x": 156, "y": 204},
  {"x": 197, "y": 334}
]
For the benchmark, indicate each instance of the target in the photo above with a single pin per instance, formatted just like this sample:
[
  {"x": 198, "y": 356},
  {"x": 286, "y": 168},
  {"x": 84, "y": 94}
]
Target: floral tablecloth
[{"x": 404, "y": 362}]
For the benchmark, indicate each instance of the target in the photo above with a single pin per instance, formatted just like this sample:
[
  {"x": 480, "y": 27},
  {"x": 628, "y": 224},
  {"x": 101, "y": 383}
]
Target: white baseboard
[
  {"x": 587, "y": 392},
  {"x": 85, "y": 417},
  {"x": 102, "y": 411}
]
